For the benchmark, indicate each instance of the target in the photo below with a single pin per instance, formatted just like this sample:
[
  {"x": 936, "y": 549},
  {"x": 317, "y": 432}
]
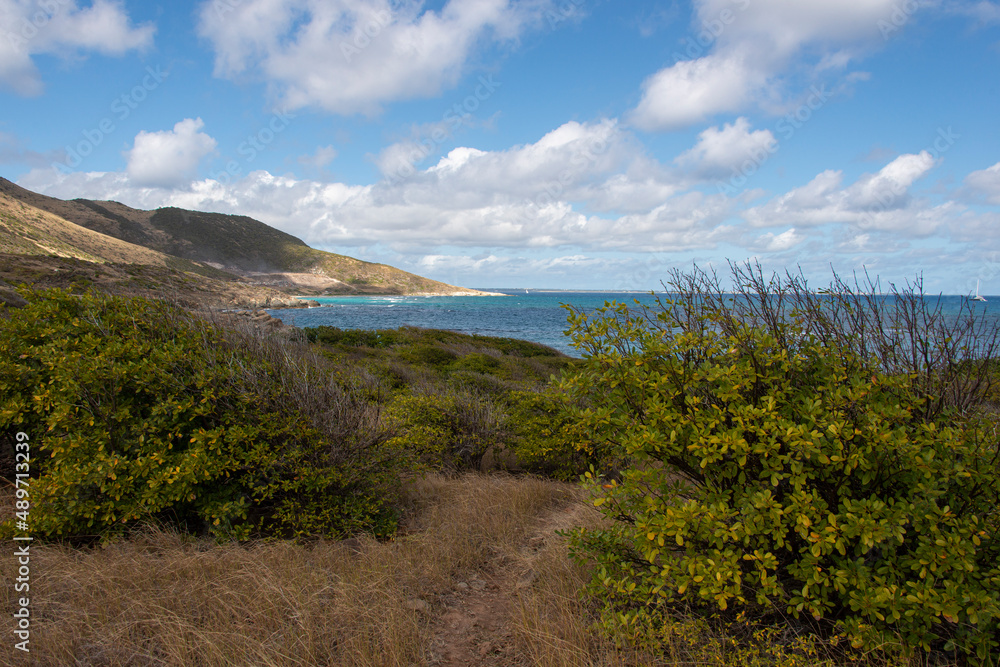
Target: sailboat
[{"x": 978, "y": 297}]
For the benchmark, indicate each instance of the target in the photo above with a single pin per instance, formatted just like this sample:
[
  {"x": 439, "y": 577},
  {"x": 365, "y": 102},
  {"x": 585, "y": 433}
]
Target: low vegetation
[
  {"x": 166, "y": 598},
  {"x": 139, "y": 412},
  {"x": 780, "y": 477},
  {"x": 825, "y": 462}
]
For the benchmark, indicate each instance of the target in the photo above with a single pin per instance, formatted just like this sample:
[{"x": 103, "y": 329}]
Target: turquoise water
[{"x": 536, "y": 315}]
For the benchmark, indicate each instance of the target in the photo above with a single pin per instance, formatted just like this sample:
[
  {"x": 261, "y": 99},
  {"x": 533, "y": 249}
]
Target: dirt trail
[{"x": 473, "y": 628}]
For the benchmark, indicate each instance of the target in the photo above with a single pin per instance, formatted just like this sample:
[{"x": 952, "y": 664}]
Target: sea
[{"x": 535, "y": 315}]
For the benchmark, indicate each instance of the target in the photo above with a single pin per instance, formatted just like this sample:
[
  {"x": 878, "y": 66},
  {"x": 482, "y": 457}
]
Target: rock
[{"x": 462, "y": 586}]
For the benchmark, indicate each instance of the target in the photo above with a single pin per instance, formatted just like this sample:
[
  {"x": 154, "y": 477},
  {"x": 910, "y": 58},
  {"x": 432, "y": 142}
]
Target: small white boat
[{"x": 978, "y": 297}]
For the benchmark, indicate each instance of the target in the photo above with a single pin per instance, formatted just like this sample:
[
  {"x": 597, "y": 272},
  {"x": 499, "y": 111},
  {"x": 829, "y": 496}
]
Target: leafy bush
[
  {"x": 787, "y": 463},
  {"x": 448, "y": 429},
  {"x": 549, "y": 441},
  {"x": 137, "y": 411},
  {"x": 428, "y": 355},
  {"x": 453, "y": 398},
  {"x": 479, "y": 363},
  {"x": 352, "y": 337}
]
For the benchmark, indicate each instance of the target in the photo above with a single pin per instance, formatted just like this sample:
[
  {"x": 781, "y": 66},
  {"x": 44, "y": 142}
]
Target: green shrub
[
  {"x": 778, "y": 471},
  {"x": 479, "y": 363},
  {"x": 481, "y": 383},
  {"x": 448, "y": 429},
  {"x": 352, "y": 337},
  {"x": 137, "y": 411},
  {"x": 426, "y": 354},
  {"x": 548, "y": 440}
]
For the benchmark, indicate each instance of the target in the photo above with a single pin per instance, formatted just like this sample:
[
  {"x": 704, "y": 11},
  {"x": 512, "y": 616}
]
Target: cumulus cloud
[
  {"x": 984, "y": 185},
  {"x": 738, "y": 53},
  {"x": 693, "y": 90},
  {"x": 881, "y": 201},
  {"x": 562, "y": 205},
  {"x": 169, "y": 158},
  {"x": 776, "y": 242},
  {"x": 888, "y": 189},
  {"x": 352, "y": 56},
  {"x": 720, "y": 151},
  {"x": 61, "y": 28},
  {"x": 578, "y": 185}
]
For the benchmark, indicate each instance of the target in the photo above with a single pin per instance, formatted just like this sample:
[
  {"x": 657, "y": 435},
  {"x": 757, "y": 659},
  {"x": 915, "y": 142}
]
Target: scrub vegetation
[{"x": 771, "y": 476}]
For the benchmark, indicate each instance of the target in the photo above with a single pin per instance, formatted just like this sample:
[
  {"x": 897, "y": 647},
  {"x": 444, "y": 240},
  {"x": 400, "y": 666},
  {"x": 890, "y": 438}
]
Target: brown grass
[
  {"x": 161, "y": 598},
  {"x": 552, "y": 623}
]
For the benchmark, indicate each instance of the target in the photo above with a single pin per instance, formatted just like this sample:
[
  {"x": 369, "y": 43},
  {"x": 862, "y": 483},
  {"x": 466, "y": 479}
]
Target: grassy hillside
[
  {"x": 198, "y": 292},
  {"x": 28, "y": 230},
  {"x": 233, "y": 243}
]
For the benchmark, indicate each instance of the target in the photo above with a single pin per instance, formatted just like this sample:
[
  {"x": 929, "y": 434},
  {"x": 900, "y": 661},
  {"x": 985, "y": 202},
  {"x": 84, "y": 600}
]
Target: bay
[{"x": 534, "y": 315}]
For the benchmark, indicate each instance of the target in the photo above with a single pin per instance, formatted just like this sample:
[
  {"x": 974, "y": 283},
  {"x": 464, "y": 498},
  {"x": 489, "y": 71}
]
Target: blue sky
[{"x": 543, "y": 143}]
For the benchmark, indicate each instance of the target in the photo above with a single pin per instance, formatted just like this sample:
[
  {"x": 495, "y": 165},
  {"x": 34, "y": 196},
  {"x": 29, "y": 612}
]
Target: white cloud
[
  {"x": 874, "y": 202},
  {"x": 169, "y": 158},
  {"x": 34, "y": 27},
  {"x": 739, "y": 53},
  {"x": 323, "y": 156},
  {"x": 777, "y": 242},
  {"x": 562, "y": 205},
  {"x": 539, "y": 195},
  {"x": 693, "y": 90},
  {"x": 888, "y": 189},
  {"x": 720, "y": 151},
  {"x": 352, "y": 56},
  {"x": 985, "y": 184}
]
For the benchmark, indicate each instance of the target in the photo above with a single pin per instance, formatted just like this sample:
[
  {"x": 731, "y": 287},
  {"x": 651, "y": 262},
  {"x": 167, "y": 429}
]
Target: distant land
[{"x": 202, "y": 259}]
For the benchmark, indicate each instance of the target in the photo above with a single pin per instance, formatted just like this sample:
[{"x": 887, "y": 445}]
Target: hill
[
  {"x": 28, "y": 230},
  {"x": 212, "y": 244}
]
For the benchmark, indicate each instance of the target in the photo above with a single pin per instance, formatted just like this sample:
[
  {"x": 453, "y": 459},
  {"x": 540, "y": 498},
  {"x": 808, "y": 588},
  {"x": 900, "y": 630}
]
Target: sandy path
[{"x": 473, "y": 628}]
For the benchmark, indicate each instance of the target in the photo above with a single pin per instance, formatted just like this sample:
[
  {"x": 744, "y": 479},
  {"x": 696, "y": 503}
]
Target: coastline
[{"x": 380, "y": 296}]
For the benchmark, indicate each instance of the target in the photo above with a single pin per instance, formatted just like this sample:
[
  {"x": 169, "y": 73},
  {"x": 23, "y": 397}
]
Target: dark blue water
[{"x": 536, "y": 316}]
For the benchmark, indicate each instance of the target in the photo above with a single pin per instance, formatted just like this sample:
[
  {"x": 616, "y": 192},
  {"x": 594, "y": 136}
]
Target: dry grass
[
  {"x": 33, "y": 231},
  {"x": 161, "y": 598},
  {"x": 164, "y": 599},
  {"x": 551, "y": 623}
]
